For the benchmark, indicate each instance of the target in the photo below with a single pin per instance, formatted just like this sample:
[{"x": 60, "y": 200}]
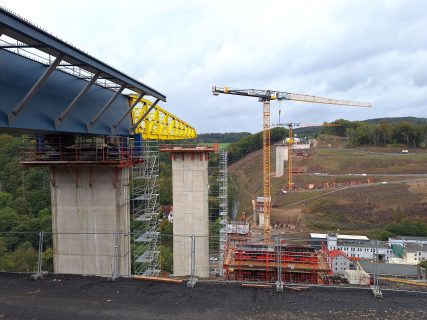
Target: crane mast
[
  {"x": 265, "y": 96},
  {"x": 291, "y": 126},
  {"x": 266, "y": 154}
]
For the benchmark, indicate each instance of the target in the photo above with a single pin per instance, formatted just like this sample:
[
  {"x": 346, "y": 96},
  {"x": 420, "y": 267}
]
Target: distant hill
[
  {"x": 411, "y": 120},
  {"x": 227, "y": 137},
  {"x": 312, "y": 131}
]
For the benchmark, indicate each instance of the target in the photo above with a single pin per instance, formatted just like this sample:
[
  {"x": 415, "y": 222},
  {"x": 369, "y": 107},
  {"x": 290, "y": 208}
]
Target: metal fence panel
[{"x": 280, "y": 261}]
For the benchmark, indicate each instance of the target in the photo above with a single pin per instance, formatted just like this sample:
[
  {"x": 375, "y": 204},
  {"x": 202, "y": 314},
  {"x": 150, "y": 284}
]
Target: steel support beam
[
  {"x": 25, "y": 32},
  {"x": 145, "y": 114},
  {"x": 18, "y": 108},
  {"x": 113, "y": 129},
  {"x": 21, "y": 46},
  {"x": 105, "y": 107},
  {"x": 64, "y": 113}
]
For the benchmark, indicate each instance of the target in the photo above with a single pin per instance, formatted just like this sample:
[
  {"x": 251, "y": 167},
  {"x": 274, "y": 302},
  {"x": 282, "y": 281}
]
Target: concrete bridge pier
[
  {"x": 90, "y": 205},
  {"x": 281, "y": 157},
  {"x": 190, "y": 210}
]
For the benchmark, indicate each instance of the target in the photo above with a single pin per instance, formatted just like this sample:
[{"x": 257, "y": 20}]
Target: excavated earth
[{"x": 77, "y": 297}]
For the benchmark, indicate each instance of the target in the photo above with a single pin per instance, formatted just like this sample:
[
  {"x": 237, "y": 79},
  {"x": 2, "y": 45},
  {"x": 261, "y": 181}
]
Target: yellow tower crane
[{"x": 265, "y": 96}]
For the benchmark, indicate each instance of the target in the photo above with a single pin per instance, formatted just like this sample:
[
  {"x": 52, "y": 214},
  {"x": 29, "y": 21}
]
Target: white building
[
  {"x": 412, "y": 253},
  {"x": 339, "y": 261},
  {"x": 331, "y": 239},
  {"x": 366, "y": 250},
  {"x": 354, "y": 246},
  {"x": 401, "y": 240}
]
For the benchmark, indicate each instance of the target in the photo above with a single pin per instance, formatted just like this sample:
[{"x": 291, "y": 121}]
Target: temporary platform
[{"x": 263, "y": 263}]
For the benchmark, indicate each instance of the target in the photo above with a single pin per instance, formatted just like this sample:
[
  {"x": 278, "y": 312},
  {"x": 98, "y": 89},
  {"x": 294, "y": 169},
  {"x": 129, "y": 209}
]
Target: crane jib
[{"x": 265, "y": 96}]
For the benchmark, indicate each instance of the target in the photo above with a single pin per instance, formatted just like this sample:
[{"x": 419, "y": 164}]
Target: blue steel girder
[
  {"x": 43, "y": 97},
  {"x": 19, "y": 74},
  {"x": 27, "y": 33}
]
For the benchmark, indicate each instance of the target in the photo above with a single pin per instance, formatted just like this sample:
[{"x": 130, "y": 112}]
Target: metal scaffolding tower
[
  {"x": 223, "y": 205},
  {"x": 145, "y": 206}
]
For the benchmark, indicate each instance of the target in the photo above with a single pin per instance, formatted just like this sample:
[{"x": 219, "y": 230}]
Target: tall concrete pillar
[
  {"x": 281, "y": 157},
  {"x": 190, "y": 209},
  {"x": 89, "y": 205}
]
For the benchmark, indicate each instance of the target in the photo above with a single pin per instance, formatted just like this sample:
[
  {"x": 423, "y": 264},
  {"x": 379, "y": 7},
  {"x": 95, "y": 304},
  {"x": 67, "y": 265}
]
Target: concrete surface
[
  {"x": 190, "y": 213},
  {"x": 88, "y": 200},
  {"x": 281, "y": 157},
  {"x": 76, "y": 297}
]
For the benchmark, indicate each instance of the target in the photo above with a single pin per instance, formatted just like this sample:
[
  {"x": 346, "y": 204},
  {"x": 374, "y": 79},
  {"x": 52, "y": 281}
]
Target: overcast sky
[{"x": 372, "y": 51}]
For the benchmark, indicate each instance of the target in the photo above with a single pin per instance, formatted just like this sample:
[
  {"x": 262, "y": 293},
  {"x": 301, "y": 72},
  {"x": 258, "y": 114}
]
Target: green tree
[
  {"x": 166, "y": 259},
  {"x": 8, "y": 218},
  {"x": 5, "y": 199},
  {"x": 48, "y": 260}
]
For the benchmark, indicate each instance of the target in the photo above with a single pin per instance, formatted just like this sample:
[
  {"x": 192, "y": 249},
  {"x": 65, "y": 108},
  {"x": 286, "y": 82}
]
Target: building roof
[
  {"x": 415, "y": 247},
  {"x": 339, "y": 236},
  {"x": 390, "y": 269},
  {"x": 336, "y": 253},
  {"x": 364, "y": 244},
  {"x": 407, "y": 238}
]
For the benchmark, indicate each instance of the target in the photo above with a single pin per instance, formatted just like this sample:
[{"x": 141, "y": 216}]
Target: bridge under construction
[{"x": 96, "y": 129}]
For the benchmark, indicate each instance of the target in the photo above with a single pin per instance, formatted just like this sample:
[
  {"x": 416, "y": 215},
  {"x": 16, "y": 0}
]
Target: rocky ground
[{"x": 76, "y": 297}]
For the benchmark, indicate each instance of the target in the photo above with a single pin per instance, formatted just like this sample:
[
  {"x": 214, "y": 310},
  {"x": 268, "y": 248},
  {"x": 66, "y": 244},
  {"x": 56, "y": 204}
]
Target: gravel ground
[{"x": 77, "y": 297}]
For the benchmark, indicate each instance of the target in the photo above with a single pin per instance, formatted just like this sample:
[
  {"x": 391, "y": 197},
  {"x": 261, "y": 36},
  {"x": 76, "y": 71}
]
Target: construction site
[{"x": 103, "y": 140}]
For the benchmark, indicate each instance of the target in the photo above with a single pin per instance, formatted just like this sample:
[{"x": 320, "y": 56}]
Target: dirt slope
[{"x": 350, "y": 209}]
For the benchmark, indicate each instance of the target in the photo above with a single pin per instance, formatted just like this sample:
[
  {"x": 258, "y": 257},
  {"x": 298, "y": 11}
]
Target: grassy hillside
[{"x": 366, "y": 208}]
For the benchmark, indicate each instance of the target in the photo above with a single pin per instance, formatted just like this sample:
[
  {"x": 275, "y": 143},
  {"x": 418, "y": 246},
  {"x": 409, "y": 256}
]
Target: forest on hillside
[
  {"x": 219, "y": 137},
  {"x": 381, "y": 133},
  {"x": 25, "y": 207}
]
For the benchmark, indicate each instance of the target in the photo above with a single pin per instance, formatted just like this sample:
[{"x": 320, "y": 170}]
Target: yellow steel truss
[{"x": 159, "y": 124}]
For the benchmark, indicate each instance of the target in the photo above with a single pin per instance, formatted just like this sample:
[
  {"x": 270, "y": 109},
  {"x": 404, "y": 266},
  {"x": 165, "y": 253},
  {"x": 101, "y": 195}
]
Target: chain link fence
[{"x": 278, "y": 262}]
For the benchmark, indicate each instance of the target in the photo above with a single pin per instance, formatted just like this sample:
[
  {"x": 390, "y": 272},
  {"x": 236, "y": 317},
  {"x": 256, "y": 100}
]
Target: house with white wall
[{"x": 339, "y": 261}]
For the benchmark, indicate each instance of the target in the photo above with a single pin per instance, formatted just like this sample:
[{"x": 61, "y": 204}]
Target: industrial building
[
  {"x": 331, "y": 240},
  {"x": 354, "y": 246}
]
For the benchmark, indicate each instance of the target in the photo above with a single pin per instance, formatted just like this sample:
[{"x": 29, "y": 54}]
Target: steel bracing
[
  {"x": 145, "y": 206},
  {"x": 155, "y": 123}
]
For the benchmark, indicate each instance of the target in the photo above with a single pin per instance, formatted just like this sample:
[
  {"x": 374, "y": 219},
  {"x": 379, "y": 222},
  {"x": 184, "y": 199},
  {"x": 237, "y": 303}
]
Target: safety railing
[{"x": 116, "y": 150}]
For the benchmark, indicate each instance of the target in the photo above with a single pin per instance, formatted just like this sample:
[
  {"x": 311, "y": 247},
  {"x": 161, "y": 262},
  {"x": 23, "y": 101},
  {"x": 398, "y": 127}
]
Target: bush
[{"x": 166, "y": 259}]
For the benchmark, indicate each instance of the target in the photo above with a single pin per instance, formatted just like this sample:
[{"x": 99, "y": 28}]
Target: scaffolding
[
  {"x": 145, "y": 207},
  {"x": 223, "y": 205},
  {"x": 282, "y": 262}
]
